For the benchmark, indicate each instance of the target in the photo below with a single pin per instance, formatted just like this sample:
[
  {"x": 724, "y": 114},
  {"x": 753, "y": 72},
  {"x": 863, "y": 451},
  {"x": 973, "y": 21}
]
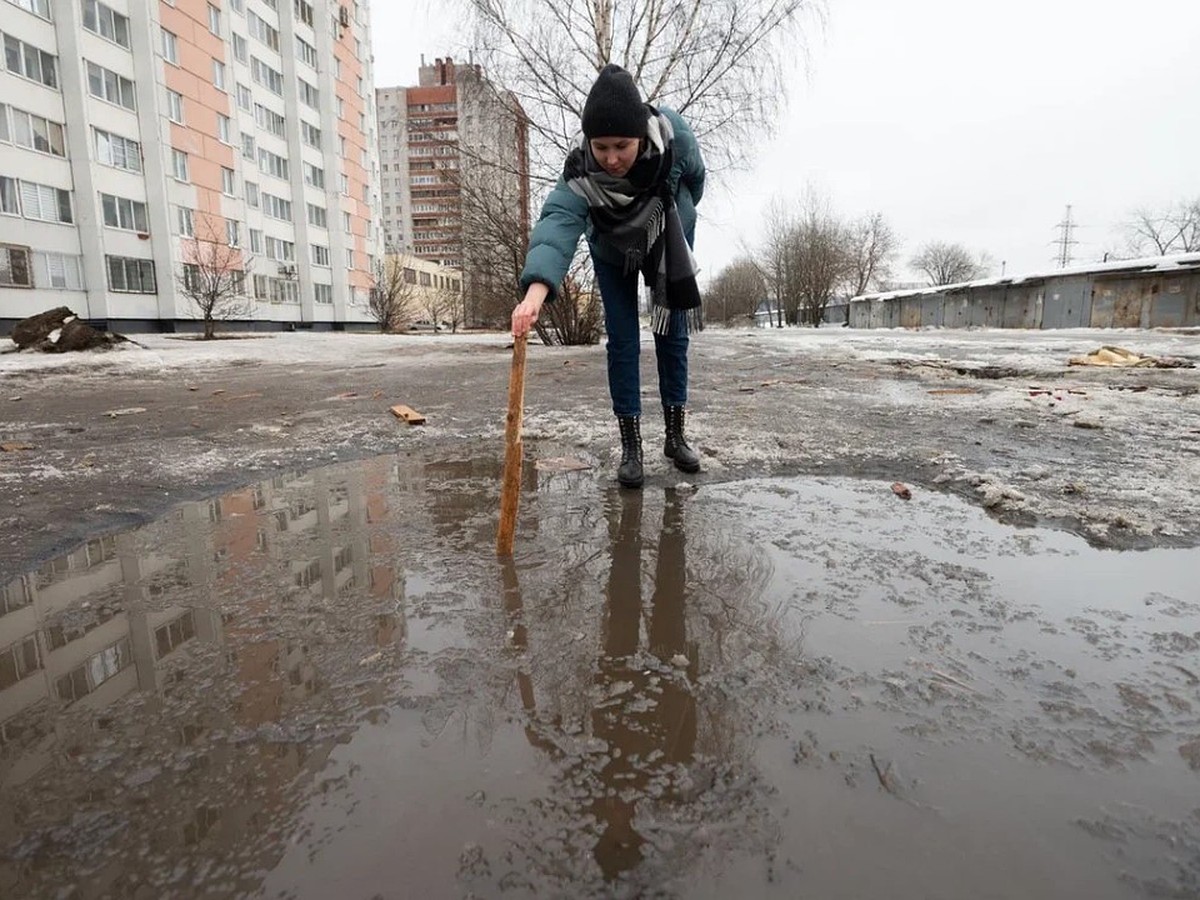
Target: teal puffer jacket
[{"x": 565, "y": 214}]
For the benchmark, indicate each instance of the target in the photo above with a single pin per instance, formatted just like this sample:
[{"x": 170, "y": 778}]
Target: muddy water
[{"x": 326, "y": 685}]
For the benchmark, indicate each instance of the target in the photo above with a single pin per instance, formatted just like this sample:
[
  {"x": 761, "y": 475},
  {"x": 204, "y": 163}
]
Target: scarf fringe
[
  {"x": 660, "y": 319},
  {"x": 635, "y": 257}
]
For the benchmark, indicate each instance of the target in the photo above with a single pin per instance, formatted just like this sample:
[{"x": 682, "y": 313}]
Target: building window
[
  {"x": 304, "y": 11},
  {"x": 317, "y": 216},
  {"x": 18, "y": 661},
  {"x": 262, "y": 32},
  {"x": 58, "y": 270},
  {"x": 9, "y": 202},
  {"x": 108, "y": 85},
  {"x": 170, "y": 47},
  {"x": 123, "y": 213},
  {"x": 179, "y": 165},
  {"x": 323, "y": 293},
  {"x": 306, "y": 52},
  {"x": 175, "y": 106},
  {"x": 277, "y": 207},
  {"x": 240, "y": 51},
  {"x": 192, "y": 284},
  {"x": 256, "y": 242},
  {"x": 214, "y": 19},
  {"x": 32, "y": 131},
  {"x": 94, "y": 672},
  {"x": 45, "y": 203},
  {"x": 228, "y": 182},
  {"x": 233, "y": 233},
  {"x": 114, "y": 150},
  {"x": 167, "y": 638},
  {"x": 106, "y": 22},
  {"x": 320, "y": 255},
  {"x": 314, "y": 176},
  {"x": 27, "y": 60},
  {"x": 243, "y": 97},
  {"x": 14, "y": 266},
  {"x": 309, "y": 94},
  {"x": 310, "y": 134},
  {"x": 252, "y": 195},
  {"x": 269, "y": 120},
  {"x": 130, "y": 276},
  {"x": 266, "y": 76},
  {"x": 248, "y": 146},
  {"x": 185, "y": 221},
  {"x": 37, "y": 7},
  {"x": 272, "y": 164},
  {"x": 218, "y": 69},
  {"x": 279, "y": 250}
]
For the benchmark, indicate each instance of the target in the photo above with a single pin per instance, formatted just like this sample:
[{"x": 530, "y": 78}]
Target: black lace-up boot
[
  {"x": 630, "y": 472},
  {"x": 676, "y": 446}
]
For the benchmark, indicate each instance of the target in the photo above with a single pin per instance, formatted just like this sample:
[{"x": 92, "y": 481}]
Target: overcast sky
[{"x": 959, "y": 120}]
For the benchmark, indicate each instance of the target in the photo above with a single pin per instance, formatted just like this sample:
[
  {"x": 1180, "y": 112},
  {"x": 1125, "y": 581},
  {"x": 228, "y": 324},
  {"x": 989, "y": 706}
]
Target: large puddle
[{"x": 326, "y": 685}]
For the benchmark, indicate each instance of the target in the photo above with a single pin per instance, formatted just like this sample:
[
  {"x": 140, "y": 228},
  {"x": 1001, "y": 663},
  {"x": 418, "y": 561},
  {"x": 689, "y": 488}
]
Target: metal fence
[{"x": 1147, "y": 295}]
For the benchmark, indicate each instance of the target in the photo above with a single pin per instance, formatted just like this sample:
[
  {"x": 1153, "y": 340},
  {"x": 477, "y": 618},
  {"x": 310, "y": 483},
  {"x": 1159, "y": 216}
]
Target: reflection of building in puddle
[
  {"x": 127, "y": 664},
  {"x": 463, "y": 491}
]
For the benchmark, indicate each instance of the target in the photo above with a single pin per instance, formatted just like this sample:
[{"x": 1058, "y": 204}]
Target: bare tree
[
  {"x": 807, "y": 258},
  {"x": 736, "y": 293},
  {"x": 454, "y": 305},
  {"x": 438, "y": 306},
  {"x": 720, "y": 63},
  {"x": 872, "y": 246},
  {"x": 945, "y": 263},
  {"x": 1175, "y": 229},
  {"x": 390, "y": 300},
  {"x": 576, "y": 314},
  {"x": 213, "y": 276},
  {"x": 777, "y": 261},
  {"x": 824, "y": 263}
]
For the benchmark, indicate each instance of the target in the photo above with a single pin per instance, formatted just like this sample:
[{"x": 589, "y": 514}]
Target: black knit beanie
[{"x": 614, "y": 107}]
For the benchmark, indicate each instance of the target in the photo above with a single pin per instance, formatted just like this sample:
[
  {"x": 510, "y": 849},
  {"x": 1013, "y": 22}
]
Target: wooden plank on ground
[{"x": 408, "y": 414}]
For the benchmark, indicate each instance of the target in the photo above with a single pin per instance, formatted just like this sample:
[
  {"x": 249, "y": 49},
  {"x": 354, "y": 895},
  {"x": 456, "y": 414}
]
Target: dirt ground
[
  {"x": 1113, "y": 455},
  {"x": 739, "y": 683}
]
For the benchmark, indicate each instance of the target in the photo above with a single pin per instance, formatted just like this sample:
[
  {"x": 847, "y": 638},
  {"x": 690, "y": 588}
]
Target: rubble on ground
[
  {"x": 60, "y": 330},
  {"x": 1119, "y": 357}
]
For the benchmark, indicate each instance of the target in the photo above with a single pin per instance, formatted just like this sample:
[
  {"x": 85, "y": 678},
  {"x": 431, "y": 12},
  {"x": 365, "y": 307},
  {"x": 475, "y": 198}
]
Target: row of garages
[{"x": 1159, "y": 293}]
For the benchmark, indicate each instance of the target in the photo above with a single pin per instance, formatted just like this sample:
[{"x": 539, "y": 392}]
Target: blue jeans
[{"x": 619, "y": 293}]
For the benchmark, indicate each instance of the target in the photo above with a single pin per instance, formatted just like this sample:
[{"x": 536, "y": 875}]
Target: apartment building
[
  {"x": 455, "y": 173},
  {"x": 134, "y": 134}
]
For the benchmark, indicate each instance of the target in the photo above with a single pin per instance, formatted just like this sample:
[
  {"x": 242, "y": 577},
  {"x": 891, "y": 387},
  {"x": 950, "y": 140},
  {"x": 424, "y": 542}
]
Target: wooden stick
[{"x": 510, "y": 489}]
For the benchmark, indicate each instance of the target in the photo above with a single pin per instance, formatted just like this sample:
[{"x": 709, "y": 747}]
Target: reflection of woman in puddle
[
  {"x": 647, "y": 714},
  {"x": 648, "y": 756}
]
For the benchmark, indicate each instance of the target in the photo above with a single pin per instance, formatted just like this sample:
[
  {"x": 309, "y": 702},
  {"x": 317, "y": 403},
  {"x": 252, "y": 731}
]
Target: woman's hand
[{"x": 527, "y": 310}]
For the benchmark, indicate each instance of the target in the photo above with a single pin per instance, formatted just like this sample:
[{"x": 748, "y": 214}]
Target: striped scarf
[{"x": 636, "y": 215}]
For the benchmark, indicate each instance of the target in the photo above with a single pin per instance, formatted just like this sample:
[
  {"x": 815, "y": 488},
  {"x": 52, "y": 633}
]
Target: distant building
[
  {"x": 435, "y": 292},
  {"x": 449, "y": 145},
  {"x": 1157, "y": 292},
  {"x": 130, "y": 131}
]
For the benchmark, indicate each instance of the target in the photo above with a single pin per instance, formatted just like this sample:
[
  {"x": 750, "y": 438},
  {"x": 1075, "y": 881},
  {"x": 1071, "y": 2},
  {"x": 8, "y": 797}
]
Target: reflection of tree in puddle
[{"x": 656, "y": 759}]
